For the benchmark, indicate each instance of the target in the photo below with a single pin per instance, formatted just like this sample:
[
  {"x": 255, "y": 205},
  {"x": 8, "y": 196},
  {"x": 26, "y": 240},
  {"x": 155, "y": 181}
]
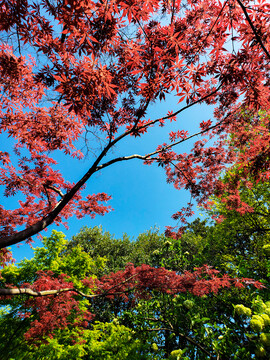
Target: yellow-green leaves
[
  {"x": 110, "y": 341},
  {"x": 177, "y": 354},
  {"x": 188, "y": 304},
  {"x": 266, "y": 250},
  {"x": 257, "y": 323},
  {"x": 242, "y": 310}
]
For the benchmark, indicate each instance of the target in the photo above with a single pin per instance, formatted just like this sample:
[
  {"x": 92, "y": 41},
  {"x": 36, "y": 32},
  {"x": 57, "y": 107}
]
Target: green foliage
[
  {"x": 110, "y": 341},
  {"x": 145, "y": 249},
  {"x": 239, "y": 244},
  {"x": 257, "y": 323},
  {"x": 97, "y": 243},
  {"x": 257, "y": 326},
  {"x": 243, "y": 310},
  {"x": 12, "y": 329},
  {"x": 106, "y": 341},
  {"x": 233, "y": 324},
  {"x": 76, "y": 263},
  {"x": 188, "y": 304},
  {"x": 177, "y": 354},
  {"x": 66, "y": 344}
]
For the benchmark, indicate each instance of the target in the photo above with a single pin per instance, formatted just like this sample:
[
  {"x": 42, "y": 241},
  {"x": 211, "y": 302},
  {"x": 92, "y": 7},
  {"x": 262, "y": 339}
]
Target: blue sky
[{"x": 141, "y": 198}]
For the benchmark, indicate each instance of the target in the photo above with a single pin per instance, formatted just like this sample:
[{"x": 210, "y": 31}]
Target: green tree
[
  {"x": 100, "y": 340},
  {"x": 228, "y": 325},
  {"x": 119, "y": 252},
  {"x": 78, "y": 265},
  {"x": 238, "y": 244}
]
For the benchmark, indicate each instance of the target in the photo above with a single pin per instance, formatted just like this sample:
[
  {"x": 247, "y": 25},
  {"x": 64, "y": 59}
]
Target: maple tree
[
  {"x": 140, "y": 282},
  {"x": 48, "y": 314},
  {"x": 228, "y": 325},
  {"x": 47, "y": 308},
  {"x": 70, "y": 68},
  {"x": 158, "y": 312}
]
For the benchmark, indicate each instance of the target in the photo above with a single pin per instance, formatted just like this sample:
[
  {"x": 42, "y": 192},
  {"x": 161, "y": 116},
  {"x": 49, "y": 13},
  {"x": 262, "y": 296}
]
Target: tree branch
[
  {"x": 180, "y": 110},
  {"x": 150, "y": 155},
  {"x": 189, "y": 339},
  {"x": 30, "y": 292},
  {"x": 257, "y": 36},
  {"x": 58, "y": 191},
  {"x": 27, "y": 291},
  {"x": 49, "y": 218}
]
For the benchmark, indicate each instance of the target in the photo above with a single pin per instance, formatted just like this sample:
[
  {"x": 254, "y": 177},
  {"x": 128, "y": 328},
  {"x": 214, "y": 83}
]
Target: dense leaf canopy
[
  {"x": 147, "y": 311},
  {"x": 95, "y": 69},
  {"x": 72, "y": 68}
]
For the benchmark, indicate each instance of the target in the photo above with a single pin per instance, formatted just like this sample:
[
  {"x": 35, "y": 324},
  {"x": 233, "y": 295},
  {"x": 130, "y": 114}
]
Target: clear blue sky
[{"x": 141, "y": 198}]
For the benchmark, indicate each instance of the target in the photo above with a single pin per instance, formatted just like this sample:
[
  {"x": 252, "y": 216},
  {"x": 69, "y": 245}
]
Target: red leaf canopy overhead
[{"x": 68, "y": 68}]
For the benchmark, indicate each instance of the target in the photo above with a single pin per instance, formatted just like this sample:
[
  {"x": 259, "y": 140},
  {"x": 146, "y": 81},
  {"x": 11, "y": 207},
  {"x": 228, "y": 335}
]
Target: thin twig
[{"x": 257, "y": 36}]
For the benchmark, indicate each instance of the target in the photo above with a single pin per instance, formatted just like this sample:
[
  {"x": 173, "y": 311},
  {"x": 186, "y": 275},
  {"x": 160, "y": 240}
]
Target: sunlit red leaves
[
  {"x": 62, "y": 309},
  {"x": 12, "y": 13},
  {"x": 93, "y": 72},
  {"x": 42, "y": 187},
  {"x": 92, "y": 207},
  {"x": 87, "y": 85},
  {"x": 5, "y": 258},
  {"x": 204, "y": 125},
  {"x": 53, "y": 311},
  {"x": 180, "y": 134},
  {"x": 146, "y": 279},
  {"x": 17, "y": 84},
  {"x": 138, "y": 8}
]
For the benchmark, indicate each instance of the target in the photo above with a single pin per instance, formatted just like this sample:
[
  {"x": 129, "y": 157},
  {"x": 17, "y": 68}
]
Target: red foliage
[
  {"x": 54, "y": 311},
  {"x": 92, "y": 75},
  {"x": 145, "y": 279},
  {"x": 5, "y": 257},
  {"x": 62, "y": 309}
]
